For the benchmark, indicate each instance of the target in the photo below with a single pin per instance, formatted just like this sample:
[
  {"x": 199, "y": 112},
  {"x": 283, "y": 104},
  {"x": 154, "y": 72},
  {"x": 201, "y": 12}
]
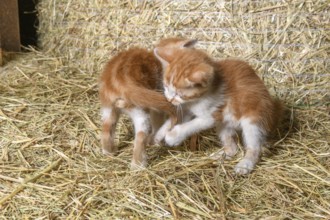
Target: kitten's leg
[
  {"x": 182, "y": 131},
  {"x": 166, "y": 127},
  {"x": 157, "y": 120},
  {"x": 109, "y": 120},
  {"x": 161, "y": 133},
  {"x": 142, "y": 127},
  {"x": 227, "y": 137},
  {"x": 253, "y": 137}
]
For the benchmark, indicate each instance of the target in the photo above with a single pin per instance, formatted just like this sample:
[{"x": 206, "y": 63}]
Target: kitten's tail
[
  {"x": 147, "y": 98},
  {"x": 278, "y": 113}
]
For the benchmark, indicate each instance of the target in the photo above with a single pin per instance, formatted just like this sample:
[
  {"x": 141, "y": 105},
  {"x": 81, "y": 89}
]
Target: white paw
[
  {"x": 245, "y": 166},
  {"x": 160, "y": 135},
  {"x": 173, "y": 137},
  {"x": 138, "y": 166},
  {"x": 106, "y": 152},
  {"x": 220, "y": 154}
]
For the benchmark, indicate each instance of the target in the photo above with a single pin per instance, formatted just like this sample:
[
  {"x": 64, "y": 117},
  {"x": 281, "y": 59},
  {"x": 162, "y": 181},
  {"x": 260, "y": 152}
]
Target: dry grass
[{"x": 51, "y": 166}]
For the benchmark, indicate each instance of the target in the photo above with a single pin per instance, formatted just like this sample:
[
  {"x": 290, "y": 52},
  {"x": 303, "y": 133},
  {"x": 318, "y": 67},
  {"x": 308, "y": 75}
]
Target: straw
[{"x": 49, "y": 112}]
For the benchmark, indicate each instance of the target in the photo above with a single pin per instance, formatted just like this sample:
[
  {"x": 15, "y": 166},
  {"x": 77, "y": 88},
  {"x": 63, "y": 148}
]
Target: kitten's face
[
  {"x": 187, "y": 70},
  {"x": 187, "y": 77},
  {"x": 178, "y": 96}
]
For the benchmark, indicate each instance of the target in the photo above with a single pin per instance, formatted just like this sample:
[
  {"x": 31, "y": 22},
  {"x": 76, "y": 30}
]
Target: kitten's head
[
  {"x": 176, "y": 42},
  {"x": 170, "y": 46},
  {"x": 188, "y": 73}
]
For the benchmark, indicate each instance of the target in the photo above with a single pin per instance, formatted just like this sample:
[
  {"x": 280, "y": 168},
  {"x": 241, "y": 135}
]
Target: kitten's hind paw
[
  {"x": 245, "y": 166},
  {"x": 108, "y": 153},
  {"x": 137, "y": 166}
]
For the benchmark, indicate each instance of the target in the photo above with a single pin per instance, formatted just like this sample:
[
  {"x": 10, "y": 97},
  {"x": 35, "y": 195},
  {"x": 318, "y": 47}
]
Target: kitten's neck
[{"x": 216, "y": 80}]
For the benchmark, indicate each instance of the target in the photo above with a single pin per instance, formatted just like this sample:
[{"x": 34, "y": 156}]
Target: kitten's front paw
[
  {"x": 160, "y": 135},
  {"x": 173, "y": 137},
  {"x": 245, "y": 166}
]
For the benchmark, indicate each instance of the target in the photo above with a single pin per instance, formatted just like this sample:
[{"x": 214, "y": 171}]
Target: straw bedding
[{"x": 51, "y": 165}]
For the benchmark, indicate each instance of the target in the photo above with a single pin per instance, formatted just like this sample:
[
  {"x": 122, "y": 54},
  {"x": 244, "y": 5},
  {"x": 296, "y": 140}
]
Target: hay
[
  {"x": 49, "y": 112},
  {"x": 287, "y": 42}
]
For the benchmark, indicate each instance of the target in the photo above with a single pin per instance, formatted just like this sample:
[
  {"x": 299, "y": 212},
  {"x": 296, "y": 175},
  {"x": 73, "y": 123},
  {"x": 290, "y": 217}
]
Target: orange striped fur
[
  {"x": 225, "y": 94},
  {"x": 131, "y": 83}
]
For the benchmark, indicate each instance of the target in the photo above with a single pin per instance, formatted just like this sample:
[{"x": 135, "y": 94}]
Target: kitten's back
[
  {"x": 134, "y": 78},
  {"x": 249, "y": 96},
  {"x": 135, "y": 66}
]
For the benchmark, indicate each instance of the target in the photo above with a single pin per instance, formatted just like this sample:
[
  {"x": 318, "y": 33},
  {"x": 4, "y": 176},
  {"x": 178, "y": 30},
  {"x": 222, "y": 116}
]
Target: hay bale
[
  {"x": 286, "y": 42},
  {"x": 49, "y": 112}
]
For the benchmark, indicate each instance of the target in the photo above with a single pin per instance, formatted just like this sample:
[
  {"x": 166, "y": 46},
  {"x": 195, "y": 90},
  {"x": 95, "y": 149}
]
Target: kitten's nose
[{"x": 175, "y": 102}]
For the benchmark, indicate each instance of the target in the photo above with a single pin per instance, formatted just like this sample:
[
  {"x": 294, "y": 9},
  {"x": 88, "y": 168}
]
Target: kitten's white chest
[{"x": 203, "y": 107}]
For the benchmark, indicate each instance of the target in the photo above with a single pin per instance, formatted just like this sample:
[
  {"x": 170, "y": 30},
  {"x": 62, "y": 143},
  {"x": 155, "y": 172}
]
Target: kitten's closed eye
[
  {"x": 197, "y": 85},
  {"x": 191, "y": 85}
]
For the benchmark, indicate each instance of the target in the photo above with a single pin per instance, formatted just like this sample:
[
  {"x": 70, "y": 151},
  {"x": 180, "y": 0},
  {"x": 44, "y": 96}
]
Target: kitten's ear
[
  {"x": 163, "y": 56},
  {"x": 188, "y": 43},
  {"x": 202, "y": 77}
]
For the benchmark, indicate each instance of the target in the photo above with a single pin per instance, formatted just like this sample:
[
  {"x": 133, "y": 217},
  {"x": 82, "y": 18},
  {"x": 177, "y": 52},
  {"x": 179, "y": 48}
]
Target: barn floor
[{"x": 51, "y": 166}]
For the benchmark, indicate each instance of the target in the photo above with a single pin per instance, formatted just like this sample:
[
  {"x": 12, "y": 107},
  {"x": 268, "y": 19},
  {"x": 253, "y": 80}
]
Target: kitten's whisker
[{"x": 180, "y": 111}]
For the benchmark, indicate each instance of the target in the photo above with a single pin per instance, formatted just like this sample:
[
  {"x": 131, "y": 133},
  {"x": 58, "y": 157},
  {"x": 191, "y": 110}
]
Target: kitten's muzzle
[{"x": 174, "y": 101}]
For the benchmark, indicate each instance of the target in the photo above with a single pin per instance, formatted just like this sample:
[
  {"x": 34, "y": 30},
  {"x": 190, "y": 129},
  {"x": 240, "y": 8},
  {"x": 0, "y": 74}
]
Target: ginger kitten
[
  {"x": 224, "y": 94},
  {"x": 131, "y": 83}
]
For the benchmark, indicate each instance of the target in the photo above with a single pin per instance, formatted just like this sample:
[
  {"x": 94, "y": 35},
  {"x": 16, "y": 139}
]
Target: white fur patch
[
  {"x": 105, "y": 113},
  {"x": 169, "y": 92},
  {"x": 180, "y": 132},
  {"x": 160, "y": 135},
  {"x": 253, "y": 137},
  {"x": 203, "y": 109},
  {"x": 141, "y": 120},
  {"x": 252, "y": 133},
  {"x": 244, "y": 167},
  {"x": 208, "y": 104}
]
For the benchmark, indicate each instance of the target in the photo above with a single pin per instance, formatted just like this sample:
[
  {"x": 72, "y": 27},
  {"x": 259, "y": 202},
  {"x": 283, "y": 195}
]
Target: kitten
[
  {"x": 224, "y": 94},
  {"x": 131, "y": 83}
]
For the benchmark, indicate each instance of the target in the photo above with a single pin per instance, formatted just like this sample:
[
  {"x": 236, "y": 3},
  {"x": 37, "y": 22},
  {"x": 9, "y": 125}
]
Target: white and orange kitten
[
  {"x": 224, "y": 94},
  {"x": 131, "y": 83}
]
